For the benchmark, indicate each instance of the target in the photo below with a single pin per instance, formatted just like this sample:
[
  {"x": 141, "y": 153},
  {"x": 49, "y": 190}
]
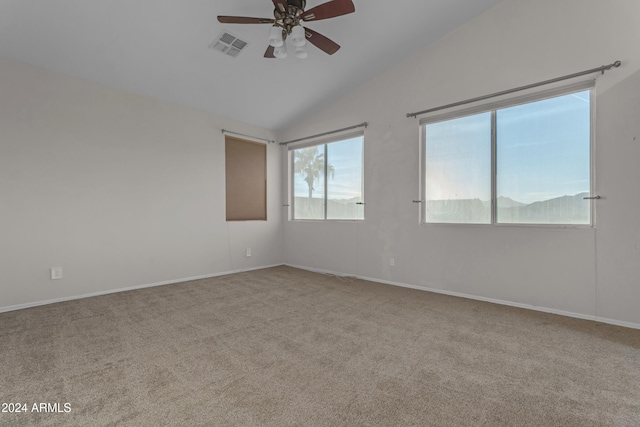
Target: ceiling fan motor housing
[
  {"x": 300, "y": 4},
  {"x": 291, "y": 17}
]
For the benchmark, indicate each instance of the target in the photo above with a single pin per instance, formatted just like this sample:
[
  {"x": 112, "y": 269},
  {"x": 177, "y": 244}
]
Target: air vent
[{"x": 229, "y": 44}]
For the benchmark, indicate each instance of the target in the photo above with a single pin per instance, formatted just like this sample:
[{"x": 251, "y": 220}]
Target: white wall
[
  {"x": 118, "y": 189},
  {"x": 589, "y": 272}
]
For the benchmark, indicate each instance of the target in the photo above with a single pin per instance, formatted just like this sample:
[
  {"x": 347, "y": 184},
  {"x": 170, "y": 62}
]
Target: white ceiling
[{"x": 159, "y": 48}]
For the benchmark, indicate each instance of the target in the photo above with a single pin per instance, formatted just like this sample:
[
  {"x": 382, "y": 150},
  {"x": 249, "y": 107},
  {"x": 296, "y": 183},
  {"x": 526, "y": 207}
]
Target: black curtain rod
[
  {"x": 601, "y": 69},
  {"x": 365, "y": 124}
]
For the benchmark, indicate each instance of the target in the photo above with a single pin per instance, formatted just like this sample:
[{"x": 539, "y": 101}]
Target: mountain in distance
[
  {"x": 559, "y": 210},
  {"x": 506, "y": 202},
  {"x": 458, "y": 211}
]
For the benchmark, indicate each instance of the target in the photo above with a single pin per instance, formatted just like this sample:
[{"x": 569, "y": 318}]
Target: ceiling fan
[{"x": 288, "y": 18}]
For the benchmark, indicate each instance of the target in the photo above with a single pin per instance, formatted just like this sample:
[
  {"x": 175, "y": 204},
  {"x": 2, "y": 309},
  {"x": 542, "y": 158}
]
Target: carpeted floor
[{"x": 286, "y": 347}]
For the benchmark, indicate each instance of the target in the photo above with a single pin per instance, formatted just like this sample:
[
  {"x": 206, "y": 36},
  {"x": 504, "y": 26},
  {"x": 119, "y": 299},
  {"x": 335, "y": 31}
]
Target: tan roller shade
[{"x": 246, "y": 180}]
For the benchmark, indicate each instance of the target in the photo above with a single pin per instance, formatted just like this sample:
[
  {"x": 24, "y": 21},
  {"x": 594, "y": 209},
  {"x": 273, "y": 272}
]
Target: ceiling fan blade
[
  {"x": 321, "y": 42},
  {"x": 281, "y": 5},
  {"x": 269, "y": 52},
  {"x": 244, "y": 20},
  {"x": 329, "y": 10}
]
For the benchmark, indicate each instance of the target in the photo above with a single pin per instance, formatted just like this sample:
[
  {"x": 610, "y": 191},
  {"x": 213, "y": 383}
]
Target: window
[
  {"x": 327, "y": 180},
  {"x": 522, "y": 164},
  {"x": 246, "y": 180},
  {"x": 458, "y": 170}
]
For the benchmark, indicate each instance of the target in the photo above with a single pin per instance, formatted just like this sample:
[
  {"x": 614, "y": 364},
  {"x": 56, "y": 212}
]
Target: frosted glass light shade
[
  {"x": 301, "y": 52},
  {"x": 280, "y": 52},
  {"x": 275, "y": 37},
  {"x": 298, "y": 37}
]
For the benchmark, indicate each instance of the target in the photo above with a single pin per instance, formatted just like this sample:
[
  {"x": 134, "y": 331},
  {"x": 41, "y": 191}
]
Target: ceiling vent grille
[{"x": 229, "y": 44}]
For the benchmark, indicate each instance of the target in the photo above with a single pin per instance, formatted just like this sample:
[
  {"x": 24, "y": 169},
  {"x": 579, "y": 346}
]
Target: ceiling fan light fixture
[
  {"x": 301, "y": 52},
  {"x": 298, "y": 37},
  {"x": 280, "y": 52},
  {"x": 275, "y": 37},
  {"x": 287, "y": 21}
]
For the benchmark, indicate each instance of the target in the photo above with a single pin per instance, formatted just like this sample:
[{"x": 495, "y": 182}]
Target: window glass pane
[
  {"x": 543, "y": 161},
  {"x": 308, "y": 182},
  {"x": 344, "y": 183},
  {"x": 458, "y": 170}
]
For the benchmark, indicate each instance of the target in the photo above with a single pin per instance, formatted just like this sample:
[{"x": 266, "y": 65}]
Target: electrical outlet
[
  {"x": 248, "y": 252},
  {"x": 392, "y": 262},
  {"x": 56, "y": 273}
]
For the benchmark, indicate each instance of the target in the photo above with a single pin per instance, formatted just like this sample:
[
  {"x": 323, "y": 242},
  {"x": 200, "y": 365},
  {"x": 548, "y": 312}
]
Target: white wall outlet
[
  {"x": 56, "y": 273},
  {"x": 392, "y": 262},
  {"x": 247, "y": 252}
]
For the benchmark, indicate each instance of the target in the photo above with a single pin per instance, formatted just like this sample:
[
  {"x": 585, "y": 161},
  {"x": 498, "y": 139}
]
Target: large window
[
  {"x": 523, "y": 164},
  {"x": 327, "y": 180}
]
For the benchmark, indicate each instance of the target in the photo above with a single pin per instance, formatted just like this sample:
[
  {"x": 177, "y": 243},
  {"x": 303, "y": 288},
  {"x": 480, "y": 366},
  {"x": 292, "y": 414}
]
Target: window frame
[
  {"x": 316, "y": 143},
  {"x": 492, "y": 108}
]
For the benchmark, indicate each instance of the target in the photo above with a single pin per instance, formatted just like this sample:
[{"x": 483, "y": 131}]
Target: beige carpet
[{"x": 285, "y": 347}]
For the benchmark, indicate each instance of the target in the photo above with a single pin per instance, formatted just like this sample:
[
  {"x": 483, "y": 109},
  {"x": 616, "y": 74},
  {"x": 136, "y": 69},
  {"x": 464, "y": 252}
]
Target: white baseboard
[
  {"x": 618, "y": 323},
  {"x": 480, "y": 298},
  {"x": 131, "y": 288}
]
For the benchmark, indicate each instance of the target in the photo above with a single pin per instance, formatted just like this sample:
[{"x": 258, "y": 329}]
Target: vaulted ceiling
[{"x": 160, "y": 48}]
